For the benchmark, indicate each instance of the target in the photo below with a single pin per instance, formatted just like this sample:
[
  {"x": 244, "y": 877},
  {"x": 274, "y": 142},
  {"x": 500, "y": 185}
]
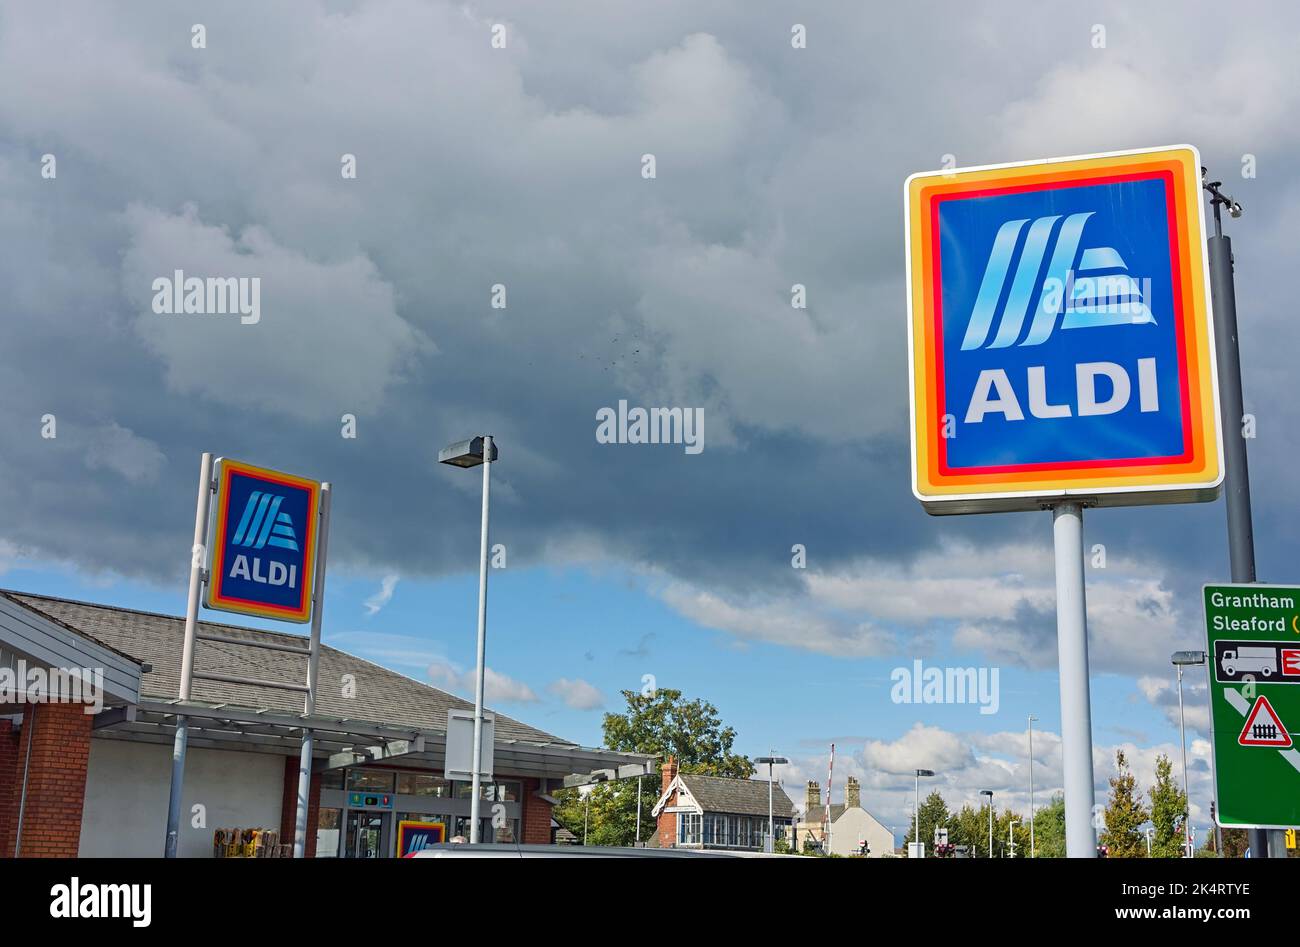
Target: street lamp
[
  {"x": 472, "y": 453},
  {"x": 1032, "y": 718},
  {"x": 770, "y": 761},
  {"x": 1182, "y": 659},
  {"x": 919, "y": 773},
  {"x": 989, "y": 793}
]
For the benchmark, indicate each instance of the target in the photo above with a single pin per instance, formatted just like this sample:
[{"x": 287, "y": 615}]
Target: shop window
[
  {"x": 489, "y": 792},
  {"x": 327, "y": 833},
  {"x": 372, "y": 780},
  {"x": 423, "y": 784}
]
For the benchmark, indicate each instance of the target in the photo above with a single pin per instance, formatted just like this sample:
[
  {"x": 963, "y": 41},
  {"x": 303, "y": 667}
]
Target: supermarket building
[{"x": 93, "y": 781}]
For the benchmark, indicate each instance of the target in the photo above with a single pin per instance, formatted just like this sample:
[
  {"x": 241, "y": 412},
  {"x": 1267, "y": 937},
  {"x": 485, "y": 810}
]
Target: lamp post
[
  {"x": 1032, "y": 718},
  {"x": 1182, "y": 659},
  {"x": 989, "y": 793},
  {"x": 771, "y": 825},
  {"x": 919, "y": 773},
  {"x": 472, "y": 453},
  {"x": 636, "y": 841}
]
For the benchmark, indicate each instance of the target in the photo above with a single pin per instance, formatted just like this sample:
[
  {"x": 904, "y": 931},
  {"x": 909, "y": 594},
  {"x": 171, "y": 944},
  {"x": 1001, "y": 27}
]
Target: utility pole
[
  {"x": 1236, "y": 486},
  {"x": 1032, "y": 718}
]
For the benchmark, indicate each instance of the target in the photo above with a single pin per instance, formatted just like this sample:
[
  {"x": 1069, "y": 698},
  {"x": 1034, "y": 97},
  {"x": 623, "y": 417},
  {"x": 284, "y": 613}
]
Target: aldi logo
[
  {"x": 263, "y": 542},
  {"x": 1060, "y": 333}
]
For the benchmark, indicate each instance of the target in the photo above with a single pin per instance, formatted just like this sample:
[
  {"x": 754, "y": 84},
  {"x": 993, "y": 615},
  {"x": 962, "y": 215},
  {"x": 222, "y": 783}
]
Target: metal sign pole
[
  {"x": 198, "y": 558},
  {"x": 476, "y": 779},
  {"x": 1072, "y": 652},
  {"x": 313, "y": 663},
  {"x": 1236, "y": 484}
]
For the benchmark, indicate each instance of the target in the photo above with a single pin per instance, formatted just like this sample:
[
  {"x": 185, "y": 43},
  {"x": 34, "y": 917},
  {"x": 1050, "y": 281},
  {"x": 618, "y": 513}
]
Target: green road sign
[{"x": 1253, "y": 651}]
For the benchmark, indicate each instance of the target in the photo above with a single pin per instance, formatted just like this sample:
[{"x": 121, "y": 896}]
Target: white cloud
[
  {"x": 998, "y": 601},
  {"x": 921, "y": 747},
  {"x": 314, "y": 314},
  {"x": 577, "y": 693},
  {"x": 383, "y": 596},
  {"x": 497, "y": 687},
  {"x": 778, "y": 622}
]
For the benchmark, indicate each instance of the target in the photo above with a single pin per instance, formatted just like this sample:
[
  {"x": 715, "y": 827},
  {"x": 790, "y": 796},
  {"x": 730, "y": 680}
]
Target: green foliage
[
  {"x": 970, "y": 827},
  {"x": 665, "y": 723},
  {"x": 1049, "y": 829},
  {"x": 934, "y": 812},
  {"x": 1168, "y": 811},
  {"x": 1125, "y": 814}
]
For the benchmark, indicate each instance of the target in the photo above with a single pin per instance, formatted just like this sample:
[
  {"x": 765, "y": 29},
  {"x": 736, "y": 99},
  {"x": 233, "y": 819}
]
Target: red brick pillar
[
  {"x": 668, "y": 820},
  {"x": 289, "y": 806},
  {"x": 59, "y": 740},
  {"x": 536, "y": 816},
  {"x": 10, "y": 775}
]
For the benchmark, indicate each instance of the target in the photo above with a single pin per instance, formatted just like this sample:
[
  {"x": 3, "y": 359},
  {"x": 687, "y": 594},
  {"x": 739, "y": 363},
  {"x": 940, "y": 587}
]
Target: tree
[
  {"x": 1125, "y": 814},
  {"x": 1168, "y": 812},
  {"x": 934, "y": 814},
  {"x": 1020, "y": 834},
  {"x": 970, "y": 827},
  {"x": 661, "y": 722},
  {"x": 1049, "y": 829}
]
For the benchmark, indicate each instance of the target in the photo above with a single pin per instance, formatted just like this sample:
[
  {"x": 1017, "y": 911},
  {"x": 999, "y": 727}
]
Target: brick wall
[
  {"x": 10, "y": 776},
  {"x": 289, "y": 806},
  {"x": 59, "y": 739},
  {"x": 668, "y": 820},
  {"x": 536, "y": 814}
]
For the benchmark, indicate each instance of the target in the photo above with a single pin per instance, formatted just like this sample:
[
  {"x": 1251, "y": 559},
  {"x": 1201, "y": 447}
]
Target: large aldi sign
[
  {"x": 1059, "y": 334},
  {"x": 1253, "y": 647},
  {"x": 263, "y": 542}
]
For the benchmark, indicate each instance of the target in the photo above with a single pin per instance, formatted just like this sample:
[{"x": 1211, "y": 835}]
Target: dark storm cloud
[{"x": 521, "y": 167}]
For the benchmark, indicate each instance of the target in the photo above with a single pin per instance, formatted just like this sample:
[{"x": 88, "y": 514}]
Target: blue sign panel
[
  {"x": 1117, "y": 310},
  {"x": 1060, "y": 338},
  {"x": 263, "y": 543}
]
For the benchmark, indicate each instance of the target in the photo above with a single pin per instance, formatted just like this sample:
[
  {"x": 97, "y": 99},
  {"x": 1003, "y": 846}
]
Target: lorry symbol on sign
[{"x": 1248, "y": 659}]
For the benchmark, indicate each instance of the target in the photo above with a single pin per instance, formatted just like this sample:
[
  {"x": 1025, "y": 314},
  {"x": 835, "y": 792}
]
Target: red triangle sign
[{"x": 1264, "y": 727}]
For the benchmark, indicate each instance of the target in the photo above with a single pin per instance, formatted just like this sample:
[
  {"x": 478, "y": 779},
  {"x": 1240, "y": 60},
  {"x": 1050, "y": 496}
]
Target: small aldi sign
[
  {"x": 414, "y": 836},
  {"x": 263, "y": 542},
  {"x": 1060, "y": 337}
]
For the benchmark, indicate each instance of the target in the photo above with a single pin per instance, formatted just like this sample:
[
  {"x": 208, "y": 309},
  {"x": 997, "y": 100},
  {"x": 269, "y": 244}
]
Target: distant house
[
  {"x": 718, "y": 812},
  {"x": 851, "y": 825}
]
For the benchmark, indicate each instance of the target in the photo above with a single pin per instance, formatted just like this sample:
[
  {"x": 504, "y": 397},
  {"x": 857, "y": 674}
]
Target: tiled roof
[
  {"x": 738, "y": 796},
  {"x": 382, "y": 696}
]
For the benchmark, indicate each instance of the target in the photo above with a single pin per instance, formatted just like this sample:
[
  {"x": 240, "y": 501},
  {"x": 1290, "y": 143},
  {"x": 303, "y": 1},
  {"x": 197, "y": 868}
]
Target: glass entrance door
[{"x": 367, "y": 834}]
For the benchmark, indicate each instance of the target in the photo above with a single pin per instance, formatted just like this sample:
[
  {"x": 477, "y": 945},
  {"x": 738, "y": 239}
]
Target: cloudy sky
[{"x": 521, "y": 165}]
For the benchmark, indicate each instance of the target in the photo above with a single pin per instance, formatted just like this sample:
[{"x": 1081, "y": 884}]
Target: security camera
[{"x": 1234, "y": 209}]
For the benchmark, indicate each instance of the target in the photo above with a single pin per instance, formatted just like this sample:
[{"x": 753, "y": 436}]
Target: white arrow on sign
[{"x": 1242, "y": 706}]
